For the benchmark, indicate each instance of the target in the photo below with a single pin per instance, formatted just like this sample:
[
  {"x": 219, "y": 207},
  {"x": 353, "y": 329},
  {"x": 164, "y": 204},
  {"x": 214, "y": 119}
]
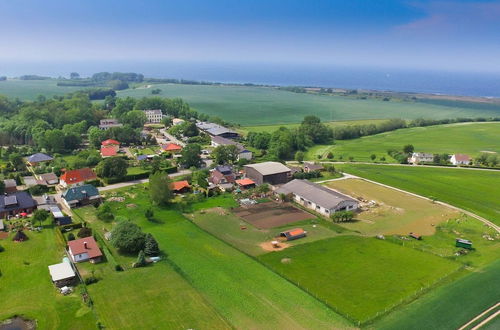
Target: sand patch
[{"x": 268, "y": 246}]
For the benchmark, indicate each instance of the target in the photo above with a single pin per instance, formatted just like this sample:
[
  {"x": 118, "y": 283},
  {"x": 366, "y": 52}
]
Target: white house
[
  {"x": 317, "y": 197},
  {"x": 84, "y": 249},
  {"x": 460, "y": 159},
  {"x": 153, "y": 116},
  {"x": 420, "y": 157}
]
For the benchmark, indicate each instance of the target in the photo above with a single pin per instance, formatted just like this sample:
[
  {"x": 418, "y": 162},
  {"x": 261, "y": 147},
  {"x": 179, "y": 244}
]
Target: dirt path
[{"x": 491, "y": 317}]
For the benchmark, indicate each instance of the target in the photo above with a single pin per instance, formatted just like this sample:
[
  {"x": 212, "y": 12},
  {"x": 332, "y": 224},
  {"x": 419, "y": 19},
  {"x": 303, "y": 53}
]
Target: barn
[{"x": 268, "y": 172}]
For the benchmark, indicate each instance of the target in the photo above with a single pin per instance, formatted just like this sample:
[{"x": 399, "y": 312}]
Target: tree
[
  {"x": 112, "y": 167},
  {"x": 40, "y": 216},
  {"x": 329, "y": 155},
  {"x": 2, "y": 187},
  {"x": 160, "y": 190},
  {"x": 84, "y": 232},
  {"x": 71, "y": 237},
  {"x": 128, "y": 237},
  {"x": 134, "y": 118},
  {"x": 299, "y": 156},
  {"x": 408, "y": 149},
  {"x": 151, "y": 247},
  {"x": 155, "y": 91},
  {"x": 104, "y": 212},
  {"x": 74, "y": 75},
  {"x": 373, "y": 156},
  {"x": 191, "y": 155},
  {"x": 189, "y": 129},
  {"x": 200, "y": 178},
  {"x": 141, "y": 260}
]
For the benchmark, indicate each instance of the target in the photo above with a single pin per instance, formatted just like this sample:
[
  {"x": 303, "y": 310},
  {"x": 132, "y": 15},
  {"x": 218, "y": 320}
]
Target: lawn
[
  {"x": 467, "y": 138},
  {"x": 449, "y": 306},
  {"x": 228, "y": 227},
  {"x": 394, "y": 213},
  {"x": 243, "y": 291},
  {"x": 359, "y": 277},
  {"x": 26, "y": 288},
  {"x": 251, "y": 106},
  {"x": 474, "y": 190}
]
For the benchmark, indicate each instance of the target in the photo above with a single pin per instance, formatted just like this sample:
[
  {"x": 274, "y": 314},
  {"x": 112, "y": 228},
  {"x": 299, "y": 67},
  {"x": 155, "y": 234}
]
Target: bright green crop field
[
  {"x": 30, "y": 89},
  {"x": 360, "y": 277},
  {"x": 477, "y": 191},
  {"x": 465, "y": 138},
  {"x": 250, "y": 106}
]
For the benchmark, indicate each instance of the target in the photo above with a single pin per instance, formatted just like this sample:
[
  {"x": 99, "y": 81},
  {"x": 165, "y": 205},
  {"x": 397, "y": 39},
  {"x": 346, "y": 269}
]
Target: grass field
[
  {"x": 250, "y": 106},
  {"x": 473, "y": 190},
  {"x": 358, "y": 276},
  {"x": 30, "y": 89},
  {"x": 26, "y": 288},
  {"x": 395, "y": 212},
  {"x": 242, "y": 290},
  {"x": 449, "y": 306},
  {"x": 467, "y": 138},
  {"x": 272, "y": 128}
]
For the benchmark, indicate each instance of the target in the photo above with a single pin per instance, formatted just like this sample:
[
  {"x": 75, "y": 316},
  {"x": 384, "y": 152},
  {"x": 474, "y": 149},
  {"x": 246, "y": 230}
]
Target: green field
[
  {"x": 250, "y": 106},
  {"x": 30, "y": 89},
  {"x": 465, "y": 138},
  {"x": 450, "y": 306},
  {"x": 477, "y": 191},
  {"x": 359, "y": 277},
  {"x": 26, "y": 288},
  {"x": 272, "y": 128},
  {"x": 242, "y": 290}
]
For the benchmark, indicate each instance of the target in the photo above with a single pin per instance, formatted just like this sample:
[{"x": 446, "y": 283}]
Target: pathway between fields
[
  {"x": 483, "y": 220},
  {"x": 491, "y": 317}
]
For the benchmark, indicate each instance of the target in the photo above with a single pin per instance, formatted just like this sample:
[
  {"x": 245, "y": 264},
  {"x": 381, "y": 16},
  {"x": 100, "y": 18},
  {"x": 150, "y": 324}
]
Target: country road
[{"x": 134, "y": 182}]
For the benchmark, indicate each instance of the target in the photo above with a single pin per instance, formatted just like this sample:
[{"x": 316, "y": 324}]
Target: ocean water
[{"x": 402, "y": 80}]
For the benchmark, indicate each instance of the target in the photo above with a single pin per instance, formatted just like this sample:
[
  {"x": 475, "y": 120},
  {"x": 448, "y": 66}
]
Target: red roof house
[
  {"x": 110, "y": 142},
  {"x": 84, "y": 249},
  {"x": 172, "y": 147},
  {"x": 181, "y": 186},
  {"x": 245, "y": 183},
  {"x": 77, "y": 177},
  {"x": 108, "y": 151}
]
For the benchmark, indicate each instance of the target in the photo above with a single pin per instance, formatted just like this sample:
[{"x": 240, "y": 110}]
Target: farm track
[{"x": 480, "y": 316}]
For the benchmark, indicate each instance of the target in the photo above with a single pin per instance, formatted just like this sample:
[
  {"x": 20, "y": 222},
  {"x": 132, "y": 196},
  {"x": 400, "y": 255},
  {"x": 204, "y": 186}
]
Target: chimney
[{"x": 85, "y": 245}]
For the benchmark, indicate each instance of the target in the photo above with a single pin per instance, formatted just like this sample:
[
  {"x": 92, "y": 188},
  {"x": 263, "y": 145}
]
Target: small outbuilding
[
  {"x": 10, "y": 185},
  {"x": 463, "y": 243},
  {"x": 181, "y": 187},
  {"x": 292, "y": 234},
  {"x": 245, "y": 183},
  {"x": 62, "y": 274},
  {"x": 172, "y": 147},
  {"x": 38, "y": 158}
]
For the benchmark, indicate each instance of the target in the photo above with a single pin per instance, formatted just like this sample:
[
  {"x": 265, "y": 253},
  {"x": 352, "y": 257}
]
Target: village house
[
  {"x": 420, "y": 157},
  {"x": 181, "y": 187},
  {"x": 38, "y": 158},
  {"x": 311, "y": 167},
  {"x": 217, "y": 130},
  {"x": 460, "y": 159},
  {"x": 246, "y": 183},
  {"x": 45, "y": 202},
  {"x": 30, "y": 181},
  {"x": 77, "y": 177},
  {"x": 268, "y": 172},
  {"x": 222, "y": 174},
  {"x": 317, "y": 197},
  {"x": 105, "y": 124},
  {"x": 243, "y": 153},
  {"x": 62, "y": 274},
  {"x": 172, "y": 147},
  {"x": 84, "y": 249},
  {"x": 10, "y": 185},
  {"x": 153, "y": 116},
  {"x": 49, "y": 178},
  {"x": 81, "y": 196},
  {"x": 16, "y": 203}
]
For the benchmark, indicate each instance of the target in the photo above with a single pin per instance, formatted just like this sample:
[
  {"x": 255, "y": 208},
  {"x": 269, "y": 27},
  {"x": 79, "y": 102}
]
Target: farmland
[
  {"x": 248, "y": 296},
  {"x": 30, "y": 89},
  {"x": 394, "y": 212},
  {"x": 366, "y": 277},
  {"x": 468, "y": 138},
  {"x": 26, "y": 288},
  {"x": 473, "y": 190}
]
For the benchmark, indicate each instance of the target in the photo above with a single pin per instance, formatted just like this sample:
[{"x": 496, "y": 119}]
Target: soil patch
[
  {"x": 268, "y": 246},
  {"x": 17, "y": 323},
  {"x": 4, "y": 235},
  {"x": 271, "y": 214}
]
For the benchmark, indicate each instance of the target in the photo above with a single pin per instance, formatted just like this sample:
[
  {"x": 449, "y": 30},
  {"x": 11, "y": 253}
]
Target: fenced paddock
[{"x": 271, "y": 214}]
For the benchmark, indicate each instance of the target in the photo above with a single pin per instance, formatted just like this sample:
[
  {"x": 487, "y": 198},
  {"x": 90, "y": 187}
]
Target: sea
[{"x": 484, "y": 84}]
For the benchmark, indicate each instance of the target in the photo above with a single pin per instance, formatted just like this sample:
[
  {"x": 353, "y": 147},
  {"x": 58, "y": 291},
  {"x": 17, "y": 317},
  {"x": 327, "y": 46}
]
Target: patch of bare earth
[{"x": 268, "y": 246}]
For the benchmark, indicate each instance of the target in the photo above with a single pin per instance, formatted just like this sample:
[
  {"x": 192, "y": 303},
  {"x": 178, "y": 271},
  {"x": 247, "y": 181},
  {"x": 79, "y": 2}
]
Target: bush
[
  {"x": 84, "y": 232},
  {"x": 128, "y": 237},
  {"x": 141, "y": 260},
  {"x": 2, "y": 248},
  {"x": 104, "y": 213},
  {"x": 71, "y": 237},
  {"x": 91, "y": 280},
  {"x": 118, "y": 268}
]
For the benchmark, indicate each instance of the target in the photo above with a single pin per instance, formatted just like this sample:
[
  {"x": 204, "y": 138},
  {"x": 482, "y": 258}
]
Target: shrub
[
  {"x": 2, "y": 248},
  {"x": 151, "y": 247},
  {"x": 84, "y": 232},
  {"x": 91, "y": 280},
  {"x": 128, "y": 237},
  {"x": 141, "y": 260},
  {"x": 71, "y": 237}
]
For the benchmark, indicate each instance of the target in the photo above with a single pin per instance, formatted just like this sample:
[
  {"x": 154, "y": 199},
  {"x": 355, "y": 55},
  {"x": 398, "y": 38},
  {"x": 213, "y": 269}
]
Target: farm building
[
  {"x": 460, "y": 159},
  {"x": 62, "y": 274},
  {"x": 292, "y": 234},
  {"x": 77, "y": 177},
  {"x": 81, "y": 196},
  {"x": 84, "y": 249},
  {"x": 245, "y": 183},
  {"x": 38, "y": 158},
  {"x": 45, "y": 202},
  {"x": 106, "y": 124},
  {"x": 153, "y": 116},
  {"x": 268, "y": 172},
  {"x": 10, "y": 185},
  {"x": 172, "y": 147},
  {"x": 30, "y": 181},
  {"x": 311, "y": 167},
  {"x": 243, "y": 153},
  {"x": 59, "y": 218},
  {"x": 420, "y": 157},
  {"x": 181, "y": 187},
  {"x": 317, "y": 197},
  {"x": 16, "y": 203},
  {"x": 217, "y": 177},
  {"x": 217, "y": 130},
  {"x": 177, "y": 121}
]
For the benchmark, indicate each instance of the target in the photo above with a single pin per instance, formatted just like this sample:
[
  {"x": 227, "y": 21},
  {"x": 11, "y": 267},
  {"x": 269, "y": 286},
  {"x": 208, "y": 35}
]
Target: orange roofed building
[
  {"x": 245, "y": 183},
  {"x": 108, "y": 151},
  {"x": 172, "y": 147},
  {"x": 78, "y": 177},
  {"x": 181, "y": 187}
]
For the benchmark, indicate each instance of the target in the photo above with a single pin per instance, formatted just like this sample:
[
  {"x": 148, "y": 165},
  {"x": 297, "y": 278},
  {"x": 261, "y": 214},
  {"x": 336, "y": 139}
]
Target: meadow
[
  {"x": 244, "y": 292},
  {"x": 449, "y": 306},
  {"x": 26, "y": 288},
  {"x": 476, "y": 191},
  {"x": 30, "y": 89},
  {"x": 333, "y": 124},
  {"x": 466, "y": 138},
  {"x": 360, "y": 277},
  {"x": 251, "y": 106},
  {"x": 395, "y": 212}
]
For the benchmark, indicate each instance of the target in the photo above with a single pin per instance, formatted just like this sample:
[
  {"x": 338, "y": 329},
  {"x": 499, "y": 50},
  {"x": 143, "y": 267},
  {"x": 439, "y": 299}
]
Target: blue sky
[{"x": 444, "y": 35}]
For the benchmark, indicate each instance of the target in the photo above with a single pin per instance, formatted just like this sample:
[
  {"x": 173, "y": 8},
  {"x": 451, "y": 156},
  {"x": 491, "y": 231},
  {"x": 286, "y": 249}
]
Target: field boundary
[{"x": 478, "y": 317}]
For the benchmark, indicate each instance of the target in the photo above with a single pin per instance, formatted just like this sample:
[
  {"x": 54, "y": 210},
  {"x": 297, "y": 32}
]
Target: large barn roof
[{"x": 269, "y": 168}]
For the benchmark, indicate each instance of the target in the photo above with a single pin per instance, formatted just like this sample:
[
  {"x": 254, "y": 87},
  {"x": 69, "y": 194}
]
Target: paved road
[
  {"x": 134, "y": 182},
  {"x": 172, "y": 138}
]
